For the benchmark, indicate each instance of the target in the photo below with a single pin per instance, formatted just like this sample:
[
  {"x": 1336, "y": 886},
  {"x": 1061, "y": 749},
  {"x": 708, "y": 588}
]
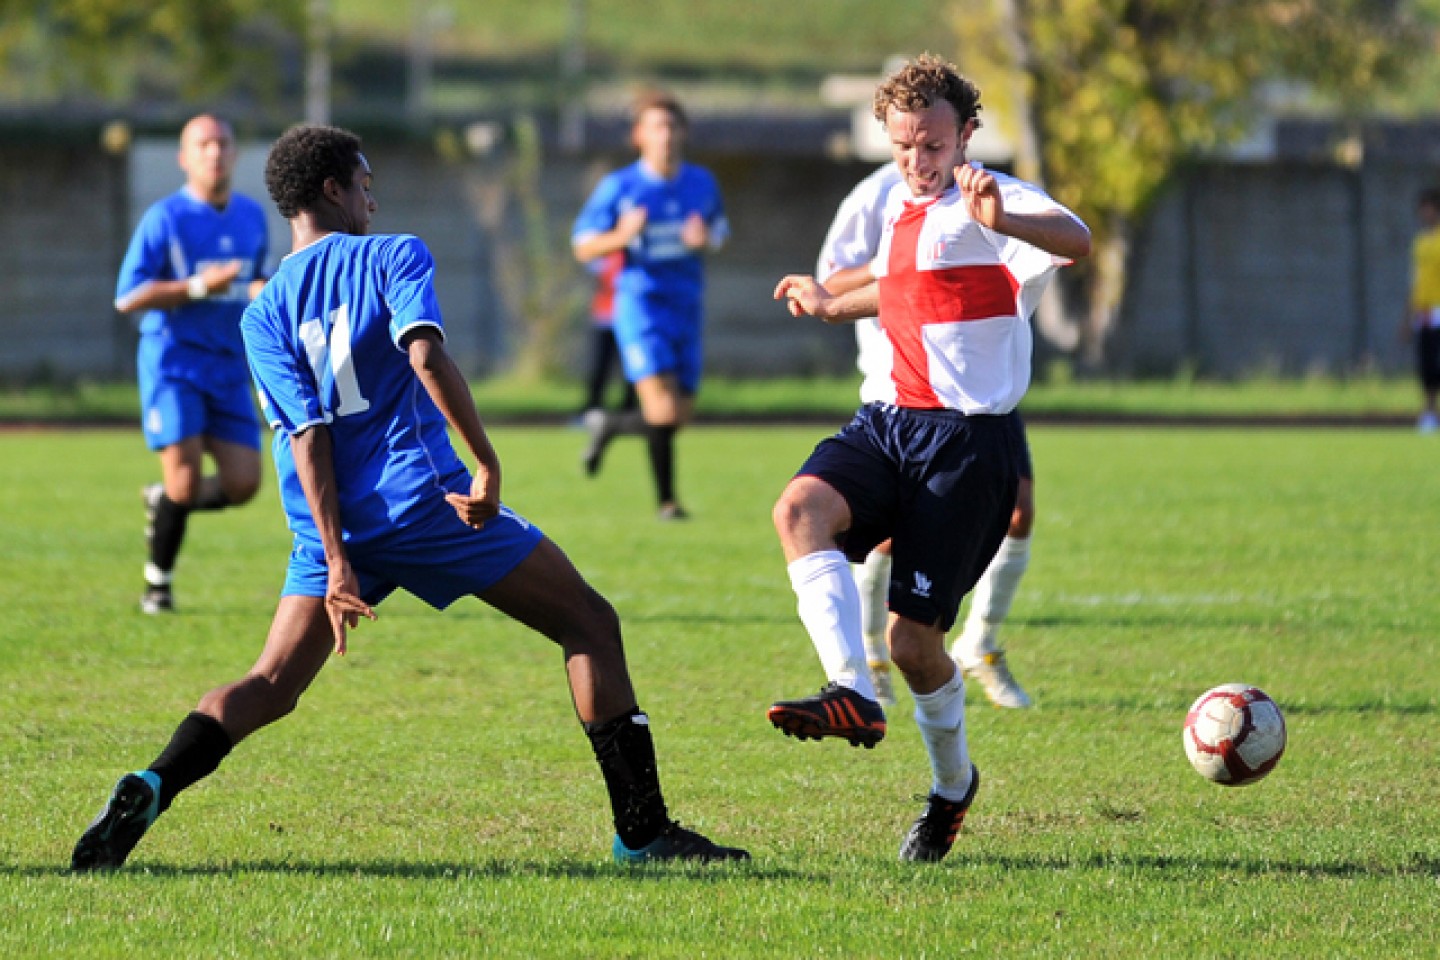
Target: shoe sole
[
  {"x": 93, "y": 851},
  {"x": 804, "y": 726}
]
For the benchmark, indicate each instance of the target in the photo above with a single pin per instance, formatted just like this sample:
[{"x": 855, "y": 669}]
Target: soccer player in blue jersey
[
  {"x": 347, "y": 350},
  {"x": 194, "y": 263},
  {"x": 664, "y": 214}
]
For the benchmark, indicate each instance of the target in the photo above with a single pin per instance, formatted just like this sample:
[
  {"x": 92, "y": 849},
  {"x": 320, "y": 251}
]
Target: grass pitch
[{"x": 433, "y": 795}]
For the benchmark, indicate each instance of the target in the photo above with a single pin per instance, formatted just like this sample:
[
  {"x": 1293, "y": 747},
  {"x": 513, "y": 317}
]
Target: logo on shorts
[{"x": 922, "y": 585}]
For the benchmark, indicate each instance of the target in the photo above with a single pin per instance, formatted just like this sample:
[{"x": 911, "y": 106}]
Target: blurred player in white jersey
[
  {"x": 934, "y": 464},
  {"x": 851, "y": 242}
]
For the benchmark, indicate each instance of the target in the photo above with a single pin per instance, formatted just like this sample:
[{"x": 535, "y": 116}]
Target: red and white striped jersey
[{"x": 956, "y": 299}]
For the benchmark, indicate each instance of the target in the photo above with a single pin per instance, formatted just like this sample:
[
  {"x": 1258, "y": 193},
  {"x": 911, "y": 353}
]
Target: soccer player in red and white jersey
[
  {"x": 852, "y": 241},
  {"x": 934, "y": 466}
]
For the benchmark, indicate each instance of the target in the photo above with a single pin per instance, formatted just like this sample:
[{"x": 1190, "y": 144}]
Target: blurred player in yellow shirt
[{"x": 1422, "y": 315}]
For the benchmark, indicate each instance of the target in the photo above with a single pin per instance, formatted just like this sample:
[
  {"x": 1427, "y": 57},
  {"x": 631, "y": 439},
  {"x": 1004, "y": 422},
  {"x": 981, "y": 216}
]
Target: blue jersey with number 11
[{"x": 323, "y": 341}]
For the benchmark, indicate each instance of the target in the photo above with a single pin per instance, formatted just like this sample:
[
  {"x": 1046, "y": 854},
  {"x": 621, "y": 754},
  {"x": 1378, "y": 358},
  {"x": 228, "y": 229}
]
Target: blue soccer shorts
[
  {"x": 215, "y": 402},
  {"x": 940, "y": 485},
  {"x": 659, "y": 335},
  {"x": 439, "y": 560}
]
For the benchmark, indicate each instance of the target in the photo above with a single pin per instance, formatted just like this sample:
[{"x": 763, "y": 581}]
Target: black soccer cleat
[
  {"x": 933, "y": 834},
  {"x": 133, "y": 806},
  {"x": 677, "y": 843},
  {"x": 835, "y": 711}
]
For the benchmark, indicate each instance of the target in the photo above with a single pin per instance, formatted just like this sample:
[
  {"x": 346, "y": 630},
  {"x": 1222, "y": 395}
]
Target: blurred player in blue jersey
[
  {"x": 663, "y": 213},
  {"x": 193, "y": 265},
  {"x": 347, "y": 350}
]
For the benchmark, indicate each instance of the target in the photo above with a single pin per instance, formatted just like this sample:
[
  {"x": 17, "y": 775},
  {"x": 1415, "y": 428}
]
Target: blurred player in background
[
  {"x": 194, "y": 263},
  {"x": 850, "y": 245},
  {"x": 347, "y": 350},
  {"x": 1422, "y": 315},
  {"x": 601, "y": 423},
  {"x": 934, "y": 466},
  {"x": 663, "y": 214}
]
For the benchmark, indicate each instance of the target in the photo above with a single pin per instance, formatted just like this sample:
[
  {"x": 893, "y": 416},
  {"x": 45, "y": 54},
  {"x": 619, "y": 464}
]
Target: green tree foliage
[
  {"x": 100, "y": 47},
  {"x": 1117, "y": 94}
]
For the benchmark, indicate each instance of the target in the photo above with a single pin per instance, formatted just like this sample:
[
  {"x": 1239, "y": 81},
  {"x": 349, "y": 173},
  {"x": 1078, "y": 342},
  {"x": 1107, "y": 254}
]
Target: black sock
[
  {"x": 169, "y": 532},
  {"x": 627, "y": 759},
  {"x": 195, "y": 750},
  {"x": 661, "y": 441},
  {"x": 215, "y": 500}
]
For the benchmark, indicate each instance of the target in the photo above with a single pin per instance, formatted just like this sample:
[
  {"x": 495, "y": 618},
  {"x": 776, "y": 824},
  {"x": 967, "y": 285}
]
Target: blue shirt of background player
[
  {"x": 323, "y": 339},
  {"x": 177, "y": 237},
  {"x": 657, "y": 263}
]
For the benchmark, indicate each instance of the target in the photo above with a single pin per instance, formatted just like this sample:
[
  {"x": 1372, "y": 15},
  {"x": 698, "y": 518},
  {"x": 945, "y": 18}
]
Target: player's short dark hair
[
  {"x": 1430, "y": 197},
  {"x": 302, "y": 160},
  {"x": 924, "y": 82},
  {"x": 657, "y": 100}
]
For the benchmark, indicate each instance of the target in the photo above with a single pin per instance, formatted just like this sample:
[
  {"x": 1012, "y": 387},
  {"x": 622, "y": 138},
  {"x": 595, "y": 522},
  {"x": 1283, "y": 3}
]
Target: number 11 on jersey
[{"x": 333, "y": 355}]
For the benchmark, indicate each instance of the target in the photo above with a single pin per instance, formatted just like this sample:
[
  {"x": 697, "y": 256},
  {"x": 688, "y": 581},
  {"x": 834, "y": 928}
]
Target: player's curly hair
[
  {"x": 924, "y": 82},
  {"x": 302, "y": 160}
]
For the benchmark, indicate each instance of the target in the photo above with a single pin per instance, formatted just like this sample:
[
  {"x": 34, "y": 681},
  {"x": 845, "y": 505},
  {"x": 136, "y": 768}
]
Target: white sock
[
  {"x": 829, "y": 606},
  {"x": 155, "y": 577},
  {"x": 941, "y": 719},
  {"x": 990, "y": 602},
  {"x": 872, "y": 579}
]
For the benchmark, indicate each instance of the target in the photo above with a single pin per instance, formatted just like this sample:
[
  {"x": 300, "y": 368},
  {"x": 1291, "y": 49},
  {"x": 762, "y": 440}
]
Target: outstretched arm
[
  {"x": 315, "y": 465},
  {"x": 447, "y": 387}
]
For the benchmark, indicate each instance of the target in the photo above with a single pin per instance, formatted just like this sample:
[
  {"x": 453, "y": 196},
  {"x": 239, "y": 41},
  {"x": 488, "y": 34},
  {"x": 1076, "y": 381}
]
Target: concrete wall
[{"x": 1288, "y": 269}]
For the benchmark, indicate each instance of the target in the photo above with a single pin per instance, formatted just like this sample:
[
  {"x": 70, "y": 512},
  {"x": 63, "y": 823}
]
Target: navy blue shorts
[{"x": 937, "y": 483}]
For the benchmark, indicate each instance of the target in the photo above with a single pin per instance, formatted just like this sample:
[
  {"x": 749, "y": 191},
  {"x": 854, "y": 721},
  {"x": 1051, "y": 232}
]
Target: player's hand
[
  {"x": 631, "y": 223},
  {"x": 695, "y": 233},
  {"x": 981, "y": 193},
  {"x": 218, "y": 276},
  {"x": 803, "y": 295},
  {"x": 482, "y": 504},
  {"x": 343, "y": 604}
]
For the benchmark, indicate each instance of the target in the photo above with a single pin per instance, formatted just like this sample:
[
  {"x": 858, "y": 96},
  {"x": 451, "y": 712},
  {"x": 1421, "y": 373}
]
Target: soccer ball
[{"x": 1234, "y": 734}]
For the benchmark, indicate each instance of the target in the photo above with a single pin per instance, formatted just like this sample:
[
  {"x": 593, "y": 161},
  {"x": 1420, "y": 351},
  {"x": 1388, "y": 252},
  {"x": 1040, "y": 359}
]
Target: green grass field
[{"x": 433, "y": 795}]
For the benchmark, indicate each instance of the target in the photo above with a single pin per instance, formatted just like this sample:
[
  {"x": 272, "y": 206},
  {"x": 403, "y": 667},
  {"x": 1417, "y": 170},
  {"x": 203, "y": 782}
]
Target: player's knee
[
  {"x": 240, "y": 490},
  {"x": 795, "y": 508},
  {"x": 594, "y": 627}
]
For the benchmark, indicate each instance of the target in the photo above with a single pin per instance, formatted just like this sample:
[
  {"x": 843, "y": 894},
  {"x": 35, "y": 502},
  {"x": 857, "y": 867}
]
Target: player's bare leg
[
  {"x": 547, "y": 594},
  {"x": 666, "y": 408}
]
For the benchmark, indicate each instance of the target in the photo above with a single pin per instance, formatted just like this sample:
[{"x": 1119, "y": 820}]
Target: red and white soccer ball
[{"x": 1234, "y": 734}]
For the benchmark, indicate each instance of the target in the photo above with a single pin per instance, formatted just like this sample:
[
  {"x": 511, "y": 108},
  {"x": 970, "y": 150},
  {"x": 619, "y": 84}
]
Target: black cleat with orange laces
[
  {"x": 933, "y": 834},
  {"x": 835, "y": 711}
]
